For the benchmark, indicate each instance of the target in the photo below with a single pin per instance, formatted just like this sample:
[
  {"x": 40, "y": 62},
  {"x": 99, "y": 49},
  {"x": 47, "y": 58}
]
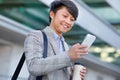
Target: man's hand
[
  {"x": 77, "y": 51},
  {"x": 82, "y": 73}
]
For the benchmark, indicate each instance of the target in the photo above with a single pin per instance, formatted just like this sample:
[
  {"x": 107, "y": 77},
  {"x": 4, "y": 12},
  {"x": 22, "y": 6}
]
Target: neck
[{"x": 59, "y": 34}]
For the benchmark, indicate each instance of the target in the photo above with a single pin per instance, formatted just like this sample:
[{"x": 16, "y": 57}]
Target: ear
[{"x": 52, "y": 14}]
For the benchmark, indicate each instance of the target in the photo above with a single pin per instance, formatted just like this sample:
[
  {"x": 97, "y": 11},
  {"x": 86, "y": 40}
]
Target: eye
[
  {"x": 72, "y": 19},
  {"x": 65, "y": 16}
]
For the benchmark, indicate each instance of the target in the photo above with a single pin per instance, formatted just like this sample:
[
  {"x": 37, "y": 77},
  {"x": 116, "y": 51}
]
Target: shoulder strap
[
  {"x": 19, "y": 66},
  {"x": 44, "y": 52},
  {"x": 45, "y": 40},
  {"x": 21, "y": 62}
]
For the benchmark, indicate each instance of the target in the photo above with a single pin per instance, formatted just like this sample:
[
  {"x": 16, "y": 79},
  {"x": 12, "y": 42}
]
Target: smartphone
[{"x": 89, "y": 39}]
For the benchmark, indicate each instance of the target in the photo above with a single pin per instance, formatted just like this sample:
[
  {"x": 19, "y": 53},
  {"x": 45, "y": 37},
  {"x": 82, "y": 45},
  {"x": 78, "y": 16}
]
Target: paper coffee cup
[{"x": 76, "y": 73}]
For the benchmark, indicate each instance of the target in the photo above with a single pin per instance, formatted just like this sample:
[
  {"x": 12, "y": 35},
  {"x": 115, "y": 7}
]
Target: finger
[
  {"x": 82, "y": 54},
  {"x": 72, "y": 68},
  {"x": 82, "y": 79},
  {"x": 79, "y": 55},
  {"x": 75, "y": 45},
  {"x": 82, "y": 46},
  {"x": 83, "y": 70},
  {"x": 83, "y": 51},
  {"x": 82, "y": 75}
]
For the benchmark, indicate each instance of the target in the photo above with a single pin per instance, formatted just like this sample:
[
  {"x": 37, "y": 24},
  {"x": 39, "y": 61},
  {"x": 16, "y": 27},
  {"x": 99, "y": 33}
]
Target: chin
[{"x": 64, "y": 31}]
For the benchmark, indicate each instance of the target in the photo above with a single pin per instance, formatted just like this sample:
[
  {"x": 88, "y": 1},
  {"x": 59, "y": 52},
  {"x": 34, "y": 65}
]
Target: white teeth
[{"x": 64, "y": 26}]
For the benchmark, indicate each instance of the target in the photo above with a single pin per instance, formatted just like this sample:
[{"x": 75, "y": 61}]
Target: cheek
[
  {"x": 69, "y": 28},
  {"x": 72, "y": 24}
]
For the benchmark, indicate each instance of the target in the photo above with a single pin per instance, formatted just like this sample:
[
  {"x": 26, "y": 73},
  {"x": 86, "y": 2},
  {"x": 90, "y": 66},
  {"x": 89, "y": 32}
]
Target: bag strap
[
  {"x": 45, "y": 40},
  {"x": 22, "y": 60},
  {"x": 44, "y": 52},
  {"x": 19, "y": 66}
]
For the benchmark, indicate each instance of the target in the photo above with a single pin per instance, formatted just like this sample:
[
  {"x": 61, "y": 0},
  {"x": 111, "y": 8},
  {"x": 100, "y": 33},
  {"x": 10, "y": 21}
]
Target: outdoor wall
[{"x": 9, "y": 57}]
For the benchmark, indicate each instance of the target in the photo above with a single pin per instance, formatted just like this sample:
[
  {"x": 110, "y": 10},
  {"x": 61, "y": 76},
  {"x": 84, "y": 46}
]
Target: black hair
[{"x": 71, "y": 7}]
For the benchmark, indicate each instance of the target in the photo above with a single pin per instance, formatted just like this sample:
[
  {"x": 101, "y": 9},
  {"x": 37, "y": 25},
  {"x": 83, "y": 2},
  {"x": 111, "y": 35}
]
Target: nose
[{"x": 68, "y": 20}]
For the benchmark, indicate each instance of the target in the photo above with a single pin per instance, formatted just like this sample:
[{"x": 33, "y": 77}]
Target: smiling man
[{"x": 60, "y": 58}]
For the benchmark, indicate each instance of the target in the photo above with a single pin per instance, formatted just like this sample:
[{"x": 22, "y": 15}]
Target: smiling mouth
[{"x": 64, "y": 26}]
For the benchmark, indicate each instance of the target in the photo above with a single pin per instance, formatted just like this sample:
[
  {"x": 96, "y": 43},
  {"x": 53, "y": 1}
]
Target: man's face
[{"x": 61, "y": 21}]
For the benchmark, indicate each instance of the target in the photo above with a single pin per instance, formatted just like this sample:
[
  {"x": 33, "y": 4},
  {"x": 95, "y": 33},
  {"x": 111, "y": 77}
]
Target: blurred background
[{"x": 98, "y": 17}]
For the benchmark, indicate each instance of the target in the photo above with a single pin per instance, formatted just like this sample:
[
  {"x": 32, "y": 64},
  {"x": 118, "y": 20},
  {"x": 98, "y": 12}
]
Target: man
[{"x": 60, "y": 58}]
